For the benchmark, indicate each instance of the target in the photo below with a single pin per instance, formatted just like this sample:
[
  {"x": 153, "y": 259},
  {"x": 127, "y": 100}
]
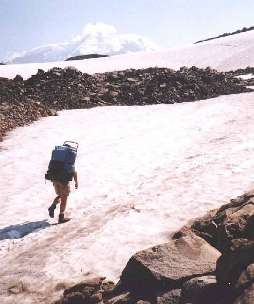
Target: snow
[
  {"x": 246, "y": 76},
  {"x": 224, "y": 54},
  {"x": 143, "y": 171},
  {"x": 98, "y": 38}
]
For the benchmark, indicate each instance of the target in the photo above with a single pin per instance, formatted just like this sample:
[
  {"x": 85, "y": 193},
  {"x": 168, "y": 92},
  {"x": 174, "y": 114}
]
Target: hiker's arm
[{"x": 76, "y": 179}]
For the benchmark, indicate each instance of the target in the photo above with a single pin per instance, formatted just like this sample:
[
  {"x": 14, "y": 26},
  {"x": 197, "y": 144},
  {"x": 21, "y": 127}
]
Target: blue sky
[{"x": 25, "y": 24}]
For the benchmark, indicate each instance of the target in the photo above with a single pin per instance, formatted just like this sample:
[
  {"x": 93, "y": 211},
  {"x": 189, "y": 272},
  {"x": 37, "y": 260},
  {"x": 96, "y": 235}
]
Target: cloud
[{"x": 96, "y": 38}]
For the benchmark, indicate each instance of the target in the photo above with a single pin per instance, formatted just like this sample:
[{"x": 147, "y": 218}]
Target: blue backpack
[{"x": 62, "y": 164}]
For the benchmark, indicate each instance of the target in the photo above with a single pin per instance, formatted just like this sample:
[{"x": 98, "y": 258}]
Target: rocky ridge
[
  {"x": 23, "y": 101},
  {"x": 210, "y": 261},
  {"x": 88, "y": 56},
  {"x": 244, "y": 29}
]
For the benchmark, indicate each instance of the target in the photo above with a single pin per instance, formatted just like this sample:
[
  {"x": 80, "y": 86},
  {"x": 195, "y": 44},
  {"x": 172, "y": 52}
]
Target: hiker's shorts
[{"x": 61, "y": 189}]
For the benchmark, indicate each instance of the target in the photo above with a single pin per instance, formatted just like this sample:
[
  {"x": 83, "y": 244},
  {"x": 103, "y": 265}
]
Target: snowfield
[{"x": 143, "y": 171}]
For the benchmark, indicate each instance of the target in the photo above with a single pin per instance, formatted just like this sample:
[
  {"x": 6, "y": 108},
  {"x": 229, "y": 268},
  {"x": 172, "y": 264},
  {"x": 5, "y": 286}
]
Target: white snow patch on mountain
[{"x": 96, "y": 38}]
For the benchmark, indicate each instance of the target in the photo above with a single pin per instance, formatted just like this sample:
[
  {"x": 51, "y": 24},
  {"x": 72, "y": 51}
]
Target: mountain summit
[{"x": 96, "y": 38}]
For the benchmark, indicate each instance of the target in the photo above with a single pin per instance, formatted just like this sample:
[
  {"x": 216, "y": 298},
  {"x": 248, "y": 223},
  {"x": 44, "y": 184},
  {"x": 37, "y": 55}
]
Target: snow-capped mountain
[{"x": 97, "y": 38}]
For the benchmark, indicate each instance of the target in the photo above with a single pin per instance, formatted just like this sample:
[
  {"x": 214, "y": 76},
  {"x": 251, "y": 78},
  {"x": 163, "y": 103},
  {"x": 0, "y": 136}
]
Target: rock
[
  {"x": 18, "y": 78},
  {"x": 130, "y": 79},
  {"x": 235, "y": 225},
  {"x": 246, "y": 277},
  {"x": 124, "y": 298},
  {"x": 234, "y": 261},
  {"x": 231, "y": 221},
  {"x": 244, "y": 287},
  {"x": 107, "y": 287},
  {"x": 86, "y": 99},
  {"x": 87, "y": 286},
  {"x": 170, "y": 297},
  {"x": 75, "y": 298},
  {"x": 114, "y": 93},
  {"x": 88, "y": 56},
  {"x": 89, "y": 292},
  {"x": 247, "y": 296},
  {"x": 206, "y": 227},
  {"x": 17, "y": 288},
  {"x": 52, "y": 112},
  {"x": 168, "y": 265},
  {"x": 205, "y": 289}
]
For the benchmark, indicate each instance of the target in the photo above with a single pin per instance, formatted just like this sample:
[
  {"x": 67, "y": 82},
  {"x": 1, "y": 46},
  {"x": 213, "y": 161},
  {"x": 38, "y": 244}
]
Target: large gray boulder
[{"x": 167, "y": 266}]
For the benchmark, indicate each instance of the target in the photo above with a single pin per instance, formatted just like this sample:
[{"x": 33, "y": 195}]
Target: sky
[{"x": 25, "y": 24}]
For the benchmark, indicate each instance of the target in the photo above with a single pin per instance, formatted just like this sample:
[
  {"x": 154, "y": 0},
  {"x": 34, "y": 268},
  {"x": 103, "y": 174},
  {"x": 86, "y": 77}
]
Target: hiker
[{"x": 61, "y": 171}]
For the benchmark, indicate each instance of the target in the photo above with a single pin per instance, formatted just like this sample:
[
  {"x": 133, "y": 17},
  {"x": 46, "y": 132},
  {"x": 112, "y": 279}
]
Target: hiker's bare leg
[
  {"x": 63, "y": 203},
  {"x": 62, "y": 218}
]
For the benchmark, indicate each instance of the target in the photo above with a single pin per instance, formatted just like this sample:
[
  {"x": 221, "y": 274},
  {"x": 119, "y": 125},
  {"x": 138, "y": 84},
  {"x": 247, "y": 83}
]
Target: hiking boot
[
  {"x": 63, "y": 219},
  {"x": 51, "y": 210}
]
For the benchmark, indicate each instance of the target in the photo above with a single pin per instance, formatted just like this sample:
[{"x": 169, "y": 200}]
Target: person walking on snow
[
  {"x": 62, "y": 191},
  {"x": 61, "y": 171}
]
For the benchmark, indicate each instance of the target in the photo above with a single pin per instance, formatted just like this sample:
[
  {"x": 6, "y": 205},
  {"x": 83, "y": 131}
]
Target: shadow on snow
[{"x": 20, "y": 230}]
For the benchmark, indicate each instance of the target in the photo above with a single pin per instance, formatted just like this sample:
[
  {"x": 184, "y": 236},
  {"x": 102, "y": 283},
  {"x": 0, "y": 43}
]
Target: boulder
[
  {"x": 234, "y": 261},
  {"x": 231, "y": 221},
  {"x": 236, "y": 225},
  {"x": 205, "y": 289},
  {"x": 167, "y": 266}
]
